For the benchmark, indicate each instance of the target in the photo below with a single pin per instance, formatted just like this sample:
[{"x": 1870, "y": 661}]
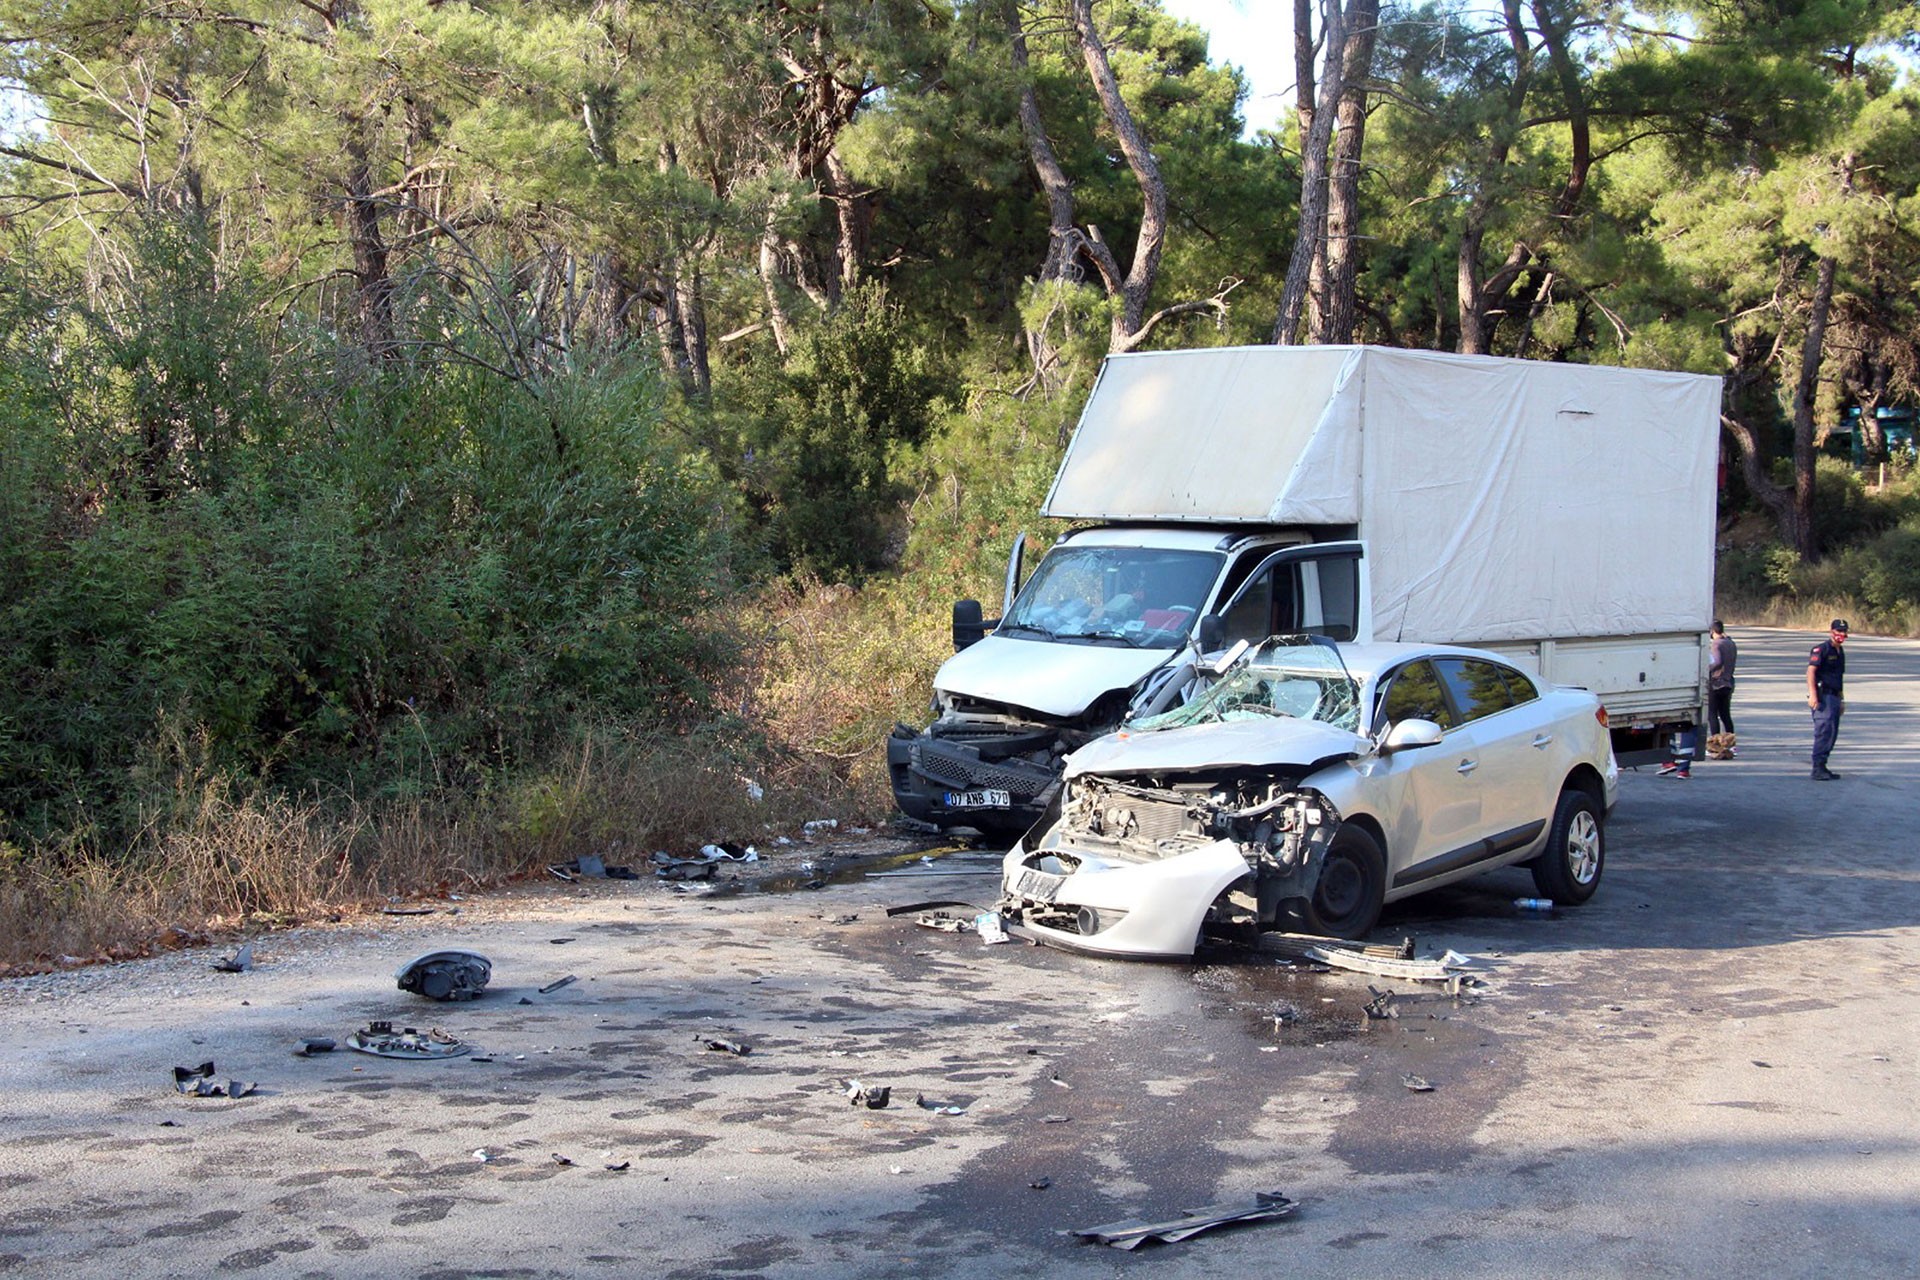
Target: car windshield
[
  {"x": 1138, "y": 596},
  {"x": 1294, "y": 676}
]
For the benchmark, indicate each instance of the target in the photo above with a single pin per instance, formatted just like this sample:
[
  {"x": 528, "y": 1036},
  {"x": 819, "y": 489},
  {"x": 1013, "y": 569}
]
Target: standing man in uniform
[{"x": 1826, "y": 680}]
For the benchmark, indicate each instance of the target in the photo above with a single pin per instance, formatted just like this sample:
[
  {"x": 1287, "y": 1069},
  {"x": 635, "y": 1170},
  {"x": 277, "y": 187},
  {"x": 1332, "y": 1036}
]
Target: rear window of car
[{"x": 1481, "y": 689}]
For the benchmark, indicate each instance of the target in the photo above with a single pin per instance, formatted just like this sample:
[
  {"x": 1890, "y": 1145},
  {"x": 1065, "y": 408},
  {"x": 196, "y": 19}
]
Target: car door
[
  {"x": 1318, "y": 587},
  {"x": 1504, "y": 711},
  {"x": 1430, "y": 796}
]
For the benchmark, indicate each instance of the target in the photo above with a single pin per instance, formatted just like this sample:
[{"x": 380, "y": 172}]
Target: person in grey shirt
[{"x": 1722, "y": 656}]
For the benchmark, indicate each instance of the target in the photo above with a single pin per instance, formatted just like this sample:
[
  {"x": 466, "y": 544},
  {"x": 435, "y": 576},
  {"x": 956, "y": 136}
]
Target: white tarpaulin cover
[{"x": 1500, "y": 499}]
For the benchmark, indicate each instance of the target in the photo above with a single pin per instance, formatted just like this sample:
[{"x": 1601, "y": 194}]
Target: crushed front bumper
[
  {"x": 991, "y": 783},
  {"x": 1149, "y": 910}
]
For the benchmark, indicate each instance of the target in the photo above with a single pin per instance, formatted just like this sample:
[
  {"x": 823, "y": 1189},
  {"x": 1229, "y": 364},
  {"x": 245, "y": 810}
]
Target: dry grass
[
  {"x": 225, "y": 862},
  {"x": 799, "y": 737}
]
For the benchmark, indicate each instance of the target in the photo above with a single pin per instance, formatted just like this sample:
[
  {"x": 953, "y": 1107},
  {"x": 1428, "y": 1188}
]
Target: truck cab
[{"x": 1108, "y": 627}]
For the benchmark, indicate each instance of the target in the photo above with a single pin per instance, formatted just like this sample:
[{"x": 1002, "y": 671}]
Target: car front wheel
[
  {"x": 1353, "y": 883},
  {"x": 1568, "y": 869}
]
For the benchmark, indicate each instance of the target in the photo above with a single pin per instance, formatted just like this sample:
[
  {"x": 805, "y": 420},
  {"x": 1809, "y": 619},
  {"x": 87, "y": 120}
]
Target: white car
[{"x": 1309, "y": 785}]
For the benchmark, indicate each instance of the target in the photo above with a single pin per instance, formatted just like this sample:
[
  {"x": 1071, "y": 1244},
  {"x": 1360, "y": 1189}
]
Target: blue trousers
[{"x": 1826, "y": 726}]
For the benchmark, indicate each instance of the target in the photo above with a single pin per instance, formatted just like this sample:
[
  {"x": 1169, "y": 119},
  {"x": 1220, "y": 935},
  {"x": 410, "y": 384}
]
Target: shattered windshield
[
  {"x": 1123, "y": 595},
  {"x": 1291, "y": 676}
]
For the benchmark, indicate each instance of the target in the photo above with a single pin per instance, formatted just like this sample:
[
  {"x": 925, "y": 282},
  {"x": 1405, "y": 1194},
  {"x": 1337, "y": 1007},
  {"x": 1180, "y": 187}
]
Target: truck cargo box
[{"x": 1500, "y": 499}]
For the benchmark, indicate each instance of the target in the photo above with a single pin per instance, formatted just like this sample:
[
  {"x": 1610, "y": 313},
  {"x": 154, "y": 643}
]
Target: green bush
[
  {"x": 1890, "y": 572},
  {"x": 387, "y": 579}
]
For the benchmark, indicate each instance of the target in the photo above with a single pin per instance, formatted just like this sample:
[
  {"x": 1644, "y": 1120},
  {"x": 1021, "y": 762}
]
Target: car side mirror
[
  {"x": 968, "y": 624},
  {"x": 1213, "y": 632},
  {"x": 1412, "y": 733}
]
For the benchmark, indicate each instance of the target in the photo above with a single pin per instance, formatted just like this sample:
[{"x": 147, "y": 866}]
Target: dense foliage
[{"x": 393, "y": 391}]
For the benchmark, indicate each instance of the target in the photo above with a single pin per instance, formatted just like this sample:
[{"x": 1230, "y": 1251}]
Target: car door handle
[
  {"x": 1466, "y": 767},
  {"x": 1542, "y": 739}
]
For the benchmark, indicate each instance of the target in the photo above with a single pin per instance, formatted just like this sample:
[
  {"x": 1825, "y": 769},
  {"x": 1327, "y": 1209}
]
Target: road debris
[
  {"x": 1041, "y": 1184},
  {"x": 925, "y": 1103},
  {"x": 1131, "y": 1233},
  {"x": 1056, "y": 1119},
  {"x": 1382, "y": 961},
  {"x": 718, "y": 1045},
  {"x": 446, "y": 975},
  {"x": 239, "y": 962},
  {"x": 408, "y": 911},
  {"x": 198, "y": 1082},
  {"x": 874, "y": 1097},
  {"x": 380, "y": 1039},
  {"x": 1416, "y": 1083},
  {"x": 1381, "y": 1007},
  {"x": 990, "y": 927},
  {"x": 314, "y": 1044},
  {"x": 558, "y": 983},
  {"x": 562, "y": 1161},
  {"x": 589, "y": 866},
  {"x": 622, "y": 1167}
]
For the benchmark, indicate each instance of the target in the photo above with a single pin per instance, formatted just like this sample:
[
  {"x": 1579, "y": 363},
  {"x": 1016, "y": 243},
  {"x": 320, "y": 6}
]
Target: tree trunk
[
  {"x": 1129, "y": 321},
  {"x": 1317, "y": 118},
  {"x": 1063, "y": 237},
  {"x": 1805, "y": 387},
  {"x": 1333, "y": 314},
  {"x": 374, "y": 287}
]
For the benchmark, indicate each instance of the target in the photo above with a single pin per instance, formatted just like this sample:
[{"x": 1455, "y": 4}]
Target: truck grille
[{"x": 967, "y": 772}]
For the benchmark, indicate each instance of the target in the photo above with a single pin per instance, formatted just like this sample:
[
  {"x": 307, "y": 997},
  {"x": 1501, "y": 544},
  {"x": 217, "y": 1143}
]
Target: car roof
[{"x": 1365, "y": 661}]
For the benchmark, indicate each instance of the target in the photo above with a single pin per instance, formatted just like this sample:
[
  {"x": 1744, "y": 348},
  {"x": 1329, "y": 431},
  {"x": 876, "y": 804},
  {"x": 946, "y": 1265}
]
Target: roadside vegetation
[{"x": 437, "y": 440}]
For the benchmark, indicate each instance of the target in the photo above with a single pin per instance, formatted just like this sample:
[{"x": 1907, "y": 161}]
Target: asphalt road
[{"x": 1710, "y": 1069}]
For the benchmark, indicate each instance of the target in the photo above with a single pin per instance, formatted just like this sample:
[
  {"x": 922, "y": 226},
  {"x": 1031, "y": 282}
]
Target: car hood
[
  {"x": 1052, "y": 678},
  {"x": 1265, "y": 741}
]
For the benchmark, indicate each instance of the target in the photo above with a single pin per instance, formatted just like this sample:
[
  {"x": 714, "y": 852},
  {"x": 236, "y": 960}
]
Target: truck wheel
[
  {"x": 1568, "y": 869},
  {"x": 1353, "y": 883}
]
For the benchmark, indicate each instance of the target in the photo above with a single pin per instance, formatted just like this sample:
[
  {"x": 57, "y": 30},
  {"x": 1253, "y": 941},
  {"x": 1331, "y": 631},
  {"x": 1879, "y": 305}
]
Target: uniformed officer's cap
[{"x": 1840, "y": 625}]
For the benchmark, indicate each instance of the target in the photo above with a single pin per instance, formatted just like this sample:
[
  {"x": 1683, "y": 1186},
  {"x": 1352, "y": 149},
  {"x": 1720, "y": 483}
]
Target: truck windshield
[
  {"x": 1294, "y": 676},
  {"x": 1123, "y": 595}
]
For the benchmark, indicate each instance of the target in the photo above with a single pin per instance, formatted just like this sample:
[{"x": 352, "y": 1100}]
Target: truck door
[{"x": 1320, "y": 587}]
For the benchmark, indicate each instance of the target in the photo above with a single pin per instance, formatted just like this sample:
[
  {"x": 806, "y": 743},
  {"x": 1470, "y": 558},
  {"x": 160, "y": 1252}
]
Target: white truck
[{"x": 1559, "y": 514}]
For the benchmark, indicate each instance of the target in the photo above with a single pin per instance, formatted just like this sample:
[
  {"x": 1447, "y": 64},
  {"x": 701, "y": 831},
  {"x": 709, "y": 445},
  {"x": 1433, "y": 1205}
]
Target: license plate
[
  {"x": 1037, "y": 886},
  {"x": 979, "y": 800}
]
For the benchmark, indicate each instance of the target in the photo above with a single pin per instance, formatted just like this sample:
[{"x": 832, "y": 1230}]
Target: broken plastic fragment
[
  {"x": 239, "y": 962},
  {"x": 1381, "y": 1006},
  {"x": 873, "y": 1097},
  {"x": 558, "y": 983},
  {"x": 938, "y": 1108},
  {"x": 622, "y": 1167},
  {"x": 562, "y": 1160},
  {"x": 380, "y": 1039},
  {"x": 1132, "y": 1233},
  {"x": 198, "y": 1082},
  {"x": 988, "y": 925},
  {"x": 1041, "y": 1184},
  {"x": 1416, "y": 1083},
  {"x": 446, "y": 975},
  {"x": 725, "y": 1046},
  {"x": 314, "y": 1044}
]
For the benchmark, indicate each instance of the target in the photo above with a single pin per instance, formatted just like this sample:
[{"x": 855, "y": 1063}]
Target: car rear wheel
[
  {"x": 1353, "y": 883},
  {"x": 1568, "y": 869}
]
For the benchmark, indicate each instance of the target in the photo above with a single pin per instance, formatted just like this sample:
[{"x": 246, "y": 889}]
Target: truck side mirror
[
  {"x": 1213, "y": 633},
  {"x": 968, "y": 624}
]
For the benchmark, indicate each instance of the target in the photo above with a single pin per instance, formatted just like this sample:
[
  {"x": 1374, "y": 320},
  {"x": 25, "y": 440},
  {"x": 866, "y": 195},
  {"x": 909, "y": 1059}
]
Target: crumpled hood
[
  {"x": 1262, "y": 741},
  {"x": 1052, "y": 678}
]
